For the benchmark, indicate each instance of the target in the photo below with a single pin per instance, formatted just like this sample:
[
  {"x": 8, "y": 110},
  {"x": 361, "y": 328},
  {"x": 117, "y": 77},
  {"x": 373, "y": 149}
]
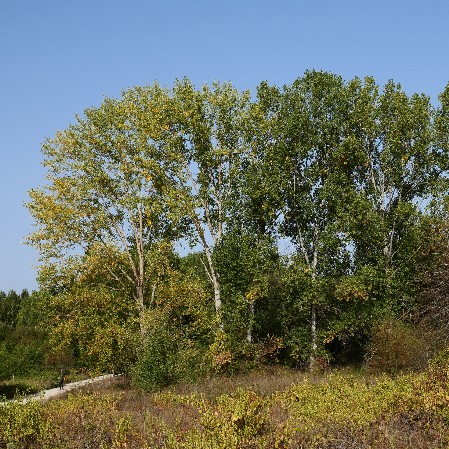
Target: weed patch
[{"x": 287, "y": 410}]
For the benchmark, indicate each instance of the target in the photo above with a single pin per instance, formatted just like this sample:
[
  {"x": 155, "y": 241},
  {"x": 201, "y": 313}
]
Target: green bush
[
  {"x": 168, "y": 356},
  {"x": 21, "y": 424},
  {"x": 243, "y": 414},
  {"x": 154, "y": 368},
  {"x": 229, "y": 421},
  {"x": 22, "y": 353},
  {"x": 339, "y": 410}
]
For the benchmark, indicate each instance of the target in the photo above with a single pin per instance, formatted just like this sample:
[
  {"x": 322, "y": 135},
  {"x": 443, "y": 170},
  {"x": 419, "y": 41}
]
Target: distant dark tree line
[
  {"x": 10, "y": 306},
  {"x": 23, "y": 335}
]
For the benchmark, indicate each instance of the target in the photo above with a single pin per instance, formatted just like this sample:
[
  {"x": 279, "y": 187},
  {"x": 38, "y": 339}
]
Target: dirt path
[
  {"x": 54, "y": 392},
  {"x": 44, "y": 395}
]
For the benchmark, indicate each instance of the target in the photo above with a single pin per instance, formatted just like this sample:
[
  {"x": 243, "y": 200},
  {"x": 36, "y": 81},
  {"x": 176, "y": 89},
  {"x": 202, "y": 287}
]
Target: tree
[
  {"x": 313, "y": 154},
  {"x": 342, "y": 170},
  {"x": 92, "y": 327},
  {"x": 132, "y": 172},
  {"x": 180, "y": 330},
  {"x": 33, "y": 312},
  {"x": 247, "y": 262},
  {"x": 356, "y": 168},
  {"x": 108, "y": 193},
  {"x": 210, "y": 125},
  {"x": 398, "y": 171},
  {"x": 403, "y": 164},
  {"x": 10, "y": 305}
]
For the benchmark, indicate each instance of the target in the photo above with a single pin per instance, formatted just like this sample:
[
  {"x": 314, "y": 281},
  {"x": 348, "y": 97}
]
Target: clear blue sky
[{"x": 59, "y": 57}]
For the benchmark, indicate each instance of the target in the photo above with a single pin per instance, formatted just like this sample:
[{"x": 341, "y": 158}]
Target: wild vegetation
[
  {"x": 189, "y": 233},
  {"x": 273, "y": 409}
]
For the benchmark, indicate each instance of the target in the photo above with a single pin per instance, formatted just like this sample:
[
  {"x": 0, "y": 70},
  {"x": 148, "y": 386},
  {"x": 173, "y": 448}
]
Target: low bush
[
  {"x": 10, "y": 390},
  {"x": 22, "y": 424},
  {"x": 396, "y": 347},
  {"x": 22, "y": 353},
  {"x": 232, "y": 421},
  {"x": 337, "y": 410}
]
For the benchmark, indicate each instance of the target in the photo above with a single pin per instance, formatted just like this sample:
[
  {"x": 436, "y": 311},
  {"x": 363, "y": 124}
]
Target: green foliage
[
  {"x": 167, "y": 356},
  {"x": 13, "y": 389},
  {"x": 10, "y": 306},
  {"x": 33, "y": 311},
  {"x": 109, "y": 194},
  {"x": 84, "y": 420},
  {"x": 157, "y": 358},
  {"x": 92, "y": 328},
  {"x": 340, "y": 170},
  {"x": 235, "y": 421},
  {"x": 348, "y": 408},
  {"x": 339, "y": 399},
  {"x": 341, "y": 409},
  {"x": 178, "y": 332},
  {"x": 248, "y": 265},
  {"x": 355, "y": 164},
  {"x": 221, "y": 352},
  {"x": 22, "y": 353},
  {"x": 22, "y": 424},
  {"x": 23, "y": 338}
]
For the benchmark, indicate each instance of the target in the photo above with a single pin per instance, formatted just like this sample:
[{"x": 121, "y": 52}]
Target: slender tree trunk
[
  {"x": 313, "y": 306},
  {"x": 313, "y": 336},
  {"x": 212, "y": 274},
  {"x": 140, "y": 302},
  {"x": 216, "y": 237},
  {"x": 217, "y": 292},
  {"x": 249, "y": 332},
  {"x": 388, "y": 246},
  {"x": 153, "y": 293}
]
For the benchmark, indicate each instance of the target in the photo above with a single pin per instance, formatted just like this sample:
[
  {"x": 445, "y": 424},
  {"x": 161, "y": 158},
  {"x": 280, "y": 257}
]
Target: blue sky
[{"x": 60, "y": 57}]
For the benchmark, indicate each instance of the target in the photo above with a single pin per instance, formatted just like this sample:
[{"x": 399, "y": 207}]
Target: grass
[
  {"x": 22, "y": 385},
  {"x": 273, "y": 407},
  {"x": 11, "y": 389}
]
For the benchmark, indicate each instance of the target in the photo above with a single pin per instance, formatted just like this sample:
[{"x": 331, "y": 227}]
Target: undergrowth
[{"x": 338, "y": 410}]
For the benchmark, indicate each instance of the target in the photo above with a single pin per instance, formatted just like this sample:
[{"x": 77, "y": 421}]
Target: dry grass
[
  {"x": 274, "y": 407},
  {"x": 264, "y": 382}
]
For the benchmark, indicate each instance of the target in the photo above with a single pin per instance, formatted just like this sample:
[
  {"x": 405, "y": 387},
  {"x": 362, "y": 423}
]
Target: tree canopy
[{"x": 348, "y": 174}]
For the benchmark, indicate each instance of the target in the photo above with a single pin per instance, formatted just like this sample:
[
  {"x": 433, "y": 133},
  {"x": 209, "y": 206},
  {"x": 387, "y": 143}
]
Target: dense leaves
[{"x": 310, "y": 205}]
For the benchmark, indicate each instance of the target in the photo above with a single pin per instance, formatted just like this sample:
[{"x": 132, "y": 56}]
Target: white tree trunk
[
  {"x": 313, "y": 336},
  {"x": 313, "y": 306},
  {"x": 249, "y": 332}
]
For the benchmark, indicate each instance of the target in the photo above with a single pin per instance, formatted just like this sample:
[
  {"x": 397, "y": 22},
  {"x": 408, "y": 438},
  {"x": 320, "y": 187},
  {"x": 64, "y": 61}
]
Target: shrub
[
  {"x": 234, "y": 421},
  {"x": 338, "y": 410},
  {"x": 167, "y": 355},
  {"x": 221, "y": 352},
  {"x": 92, "y": 328},
  {"x": 21, "y": 424},
  {"x": 395, "y": 347},
  {"x": 154, "y": 368},
  {"x": 81, "y": 421},
  {"x": 238, "y": 420},
  {"x": 22, "y": 353}
]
